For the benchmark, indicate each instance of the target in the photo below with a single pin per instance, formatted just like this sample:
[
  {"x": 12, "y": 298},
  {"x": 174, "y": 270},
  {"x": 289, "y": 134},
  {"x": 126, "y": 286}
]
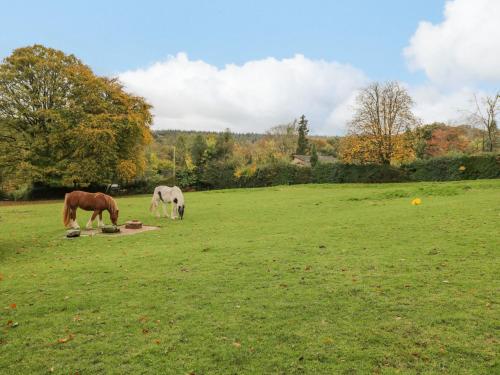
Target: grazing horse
[
  {"x": 166, "y": 194},
  {"x": 96, "y": 202}
]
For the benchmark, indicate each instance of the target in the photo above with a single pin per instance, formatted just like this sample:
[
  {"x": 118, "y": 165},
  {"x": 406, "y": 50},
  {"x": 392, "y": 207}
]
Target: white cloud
[
  {"x": 255, "y": 96},
  {"x": 458, "y": 55},
  {"x": 464, "y": 48},
  {"x": 435, "y": 105}
]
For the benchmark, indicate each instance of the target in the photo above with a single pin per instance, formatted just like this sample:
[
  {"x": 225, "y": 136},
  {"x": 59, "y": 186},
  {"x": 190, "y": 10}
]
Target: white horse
[{"x": 167, "y": 194}]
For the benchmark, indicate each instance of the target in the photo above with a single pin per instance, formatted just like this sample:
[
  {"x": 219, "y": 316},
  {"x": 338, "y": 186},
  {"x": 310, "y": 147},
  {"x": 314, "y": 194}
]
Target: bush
[
  {"x": 454, "y": 168},
  {"x": 340, "y": 172},
  {"x": 221, "y": 175},
  {"x": 147, "y": 186},
  {"x": 217, "y": 175}
]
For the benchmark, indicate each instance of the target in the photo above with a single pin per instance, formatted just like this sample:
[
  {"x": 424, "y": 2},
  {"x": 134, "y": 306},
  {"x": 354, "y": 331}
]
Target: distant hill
[{"x": 170, "y": 137}]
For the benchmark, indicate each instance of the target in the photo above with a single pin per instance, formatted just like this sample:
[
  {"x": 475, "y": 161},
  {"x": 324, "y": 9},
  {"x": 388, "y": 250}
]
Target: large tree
[
  {"x": 60, "y": 123},
  {"x": 383, "y": 113}
]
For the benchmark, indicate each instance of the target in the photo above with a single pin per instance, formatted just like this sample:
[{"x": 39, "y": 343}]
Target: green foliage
[
  {"x": 302, "y": 142},
  {"x": 217, "y": 175},
  {"x": 224, "y": 145},
  {"x": 185, "y": 178},
  {"x": 314, "y": 156},
  {"x": 66, "y": 123},
  {"x": 353, "y": 173},
  {"x": 198, "y": 150},
  {"x": 454, "y": 168}
]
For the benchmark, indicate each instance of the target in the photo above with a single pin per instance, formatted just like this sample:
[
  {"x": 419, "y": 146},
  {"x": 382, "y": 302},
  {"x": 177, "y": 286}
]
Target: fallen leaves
[
  {"x": 64, "y": 340},
  {"x": 12, "y": 324},
  {"x": 13, "y": 306},
  {"x": 237, "y": 344}
]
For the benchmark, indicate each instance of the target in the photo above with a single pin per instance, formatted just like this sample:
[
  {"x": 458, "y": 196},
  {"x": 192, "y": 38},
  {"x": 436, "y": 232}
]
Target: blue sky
[
  {"x": 122, "y": 37},
  {"x": 112, "y": 36}
]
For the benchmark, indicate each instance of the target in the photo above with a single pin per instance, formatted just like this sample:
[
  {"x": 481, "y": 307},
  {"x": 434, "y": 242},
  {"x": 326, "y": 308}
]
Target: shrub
[
  {"x": 340, "y": 172},
  {"x": 454, "y": 168}
]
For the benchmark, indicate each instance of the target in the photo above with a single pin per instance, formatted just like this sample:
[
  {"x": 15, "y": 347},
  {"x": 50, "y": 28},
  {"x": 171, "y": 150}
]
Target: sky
[{"x": 250, "y": 65}]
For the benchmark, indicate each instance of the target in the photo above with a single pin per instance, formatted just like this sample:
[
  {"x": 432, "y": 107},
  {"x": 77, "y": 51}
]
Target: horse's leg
[
  {"x": 165, "y": 208},
  {"x": 155, "y": 207},
  {"x": 91, "y": 220},
  {"x": 73, "y": 222},
  {"x": 158, "y": 208},
  {"x": 100, "y": 223},
  {"x": 174, "y": 211}
]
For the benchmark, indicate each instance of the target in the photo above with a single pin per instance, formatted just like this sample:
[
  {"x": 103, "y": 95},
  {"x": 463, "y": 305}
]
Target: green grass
[{"x": 315, "y": 279}]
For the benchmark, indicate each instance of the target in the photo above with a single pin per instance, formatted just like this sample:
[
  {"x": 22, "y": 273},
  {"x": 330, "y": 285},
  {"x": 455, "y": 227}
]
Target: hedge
[
  {"x": 221, "y": 175},
  {"x": 454, "y": 168}
]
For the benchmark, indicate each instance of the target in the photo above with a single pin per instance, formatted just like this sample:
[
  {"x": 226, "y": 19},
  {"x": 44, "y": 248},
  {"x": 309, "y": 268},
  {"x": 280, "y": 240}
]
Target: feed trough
[
  {"x": 133, "y": 224},
  {"x": 73, "y": 233},
  {"x": 110, "y": 229}
]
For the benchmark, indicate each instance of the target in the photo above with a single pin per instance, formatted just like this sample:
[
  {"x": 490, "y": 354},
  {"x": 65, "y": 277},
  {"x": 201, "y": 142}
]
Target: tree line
[{"x": 62, "y": 125}]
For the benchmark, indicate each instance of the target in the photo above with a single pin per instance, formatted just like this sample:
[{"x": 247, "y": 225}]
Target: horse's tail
[
  {"x": 153, "y": 203},
  {"x": 154, "y": 199},
  {"x": 66, "y": 211}
]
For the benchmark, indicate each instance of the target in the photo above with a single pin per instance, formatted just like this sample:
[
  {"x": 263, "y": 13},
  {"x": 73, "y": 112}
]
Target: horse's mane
[{"x": 111, "y": 204}]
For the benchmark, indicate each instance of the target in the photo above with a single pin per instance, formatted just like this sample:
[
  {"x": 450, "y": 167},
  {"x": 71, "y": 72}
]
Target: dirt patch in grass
[{"x": 123, "y": 231}]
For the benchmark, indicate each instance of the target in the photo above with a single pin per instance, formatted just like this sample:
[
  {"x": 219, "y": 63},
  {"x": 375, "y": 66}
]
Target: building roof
[{"x": 321, "y": 158}]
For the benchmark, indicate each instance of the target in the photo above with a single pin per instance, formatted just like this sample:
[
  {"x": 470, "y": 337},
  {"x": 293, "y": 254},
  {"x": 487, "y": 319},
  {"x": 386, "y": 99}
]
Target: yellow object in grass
[{"x": 416, "y": 201}]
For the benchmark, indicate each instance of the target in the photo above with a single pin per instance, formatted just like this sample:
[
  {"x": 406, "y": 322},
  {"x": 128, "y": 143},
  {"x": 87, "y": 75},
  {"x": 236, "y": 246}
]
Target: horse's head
[
  {"x": 113, "y": 215},
  {"x": 180, "y": 207},
  {"x": 113, "y": 210}
]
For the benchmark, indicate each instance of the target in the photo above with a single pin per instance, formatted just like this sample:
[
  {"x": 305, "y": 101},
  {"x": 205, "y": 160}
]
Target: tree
[
  {"x": 383, "y": 113},
  {"x": 60, "y": 123},
  {"x": 314, "y": 156},
  {"x": 487, "y": 110},
  {"x": 198, "y": 150},
  {"x": 224, "y": 145},
  {"x": 357, "y": 149},
  {"x": 445, "y": 140},
  {"x": 302, "y": 142},
  {"x": 285, "y": 137}
]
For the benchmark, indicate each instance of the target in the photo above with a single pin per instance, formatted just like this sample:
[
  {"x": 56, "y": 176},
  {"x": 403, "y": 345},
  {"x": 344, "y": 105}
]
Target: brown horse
[{"x": 96, "y": 202}]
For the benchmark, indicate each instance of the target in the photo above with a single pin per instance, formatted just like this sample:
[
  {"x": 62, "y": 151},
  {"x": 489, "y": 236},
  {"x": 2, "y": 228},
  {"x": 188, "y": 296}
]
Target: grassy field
[{"x": 315, "y": 279}]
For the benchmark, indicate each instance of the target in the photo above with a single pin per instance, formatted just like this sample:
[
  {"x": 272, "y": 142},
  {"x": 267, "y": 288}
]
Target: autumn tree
[
  {"x": 486, "y": 113},
  {"x": 445, "y": 140},
  {"x": 302, "y": 142},
  {"x": 60, "y": 123},
  {"x": 285, "y": 137},
  {"x": 382, "y": 114}
]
